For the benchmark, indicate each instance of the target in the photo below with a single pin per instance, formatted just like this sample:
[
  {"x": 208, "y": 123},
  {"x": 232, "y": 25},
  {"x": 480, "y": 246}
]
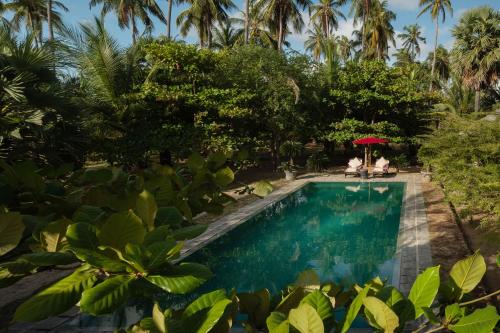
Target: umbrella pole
[{"x": 366, "y": 156}]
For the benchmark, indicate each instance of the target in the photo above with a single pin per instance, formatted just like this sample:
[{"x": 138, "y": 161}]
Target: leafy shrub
[
  {"x": 121, "y": 230},
  {"x": 309, "y": 306},
  {"x": 464, "y": 156},
  {"x": 317, "y": 161}
]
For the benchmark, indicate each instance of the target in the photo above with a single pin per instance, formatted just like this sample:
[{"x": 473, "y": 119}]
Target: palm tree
[
  {"x": 325, "y": 13},
  {"x": 259, "y": 31},
  {"x": 281, "y": 13},
  {"x": 315, "y": 41},
  {"x": 360, "y": 9},
  {"x": 476, "y": 50},
  {"x": 225, "y": 35},
  {"x": 436, "y": 8},
  {"x": 169, "y": 17},
  {"x": 412, "y": 36},
  {"x": 128, "y": 11},
  {"x": 345, "y": 48},
  {"x": 403, "y": 58},
  {"x": 441, "y": 61},
  {"x": 202, "y": 15},
  {"x": 33, "y": 13},
  {"x": 379, "y": 31}
]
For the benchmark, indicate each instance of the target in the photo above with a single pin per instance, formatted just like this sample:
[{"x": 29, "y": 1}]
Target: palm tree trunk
[
  {"x": 434, "y": 57},
  {"x": 134, "y": 30},
  {"x": 280, "y": 31},
  {"x": 49, "y": 20},
  {"x": 247, "y": 18},
  {"x": 169, "y": 18},
  {"x": 477, "y": 100}
]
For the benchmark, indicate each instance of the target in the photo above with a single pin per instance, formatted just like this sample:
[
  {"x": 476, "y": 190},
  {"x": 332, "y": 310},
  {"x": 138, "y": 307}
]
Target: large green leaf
[
  {"x": 480, "y": 321},
  {"x": 159, "y": 319},
  {"x": 195, "y": 162},
  {"x": 53, "y": 236},
  {"x": 11, "y": 231},
  {"x": 98, "y": 259},
  {"x": 320, "y": 303},
  {"x": 203, "y": 302},
  {"x": 382, "y": 314},
  {"x": 107, "y": 296},
  {"x": 216, "y": 160},
  {"x": 87, "y": 214},
  {"x": 120, "y": 229},
  {"x": 292, "y": 300},
  {"x": 182, "y": 279},
  {"x": 277, "y": 323},
  {"x": 57, "y": 298},
  {"x": 308, "y": 279},
  {"x": 468, "y": 273},
  {"x": 306, "y": 320},
  {"x": 82, "y": 235},
  {"x": 453, "y": 312},
  {"x": 49, "y": 258},
  {"x": 189, "y": 232},
  {"x": 203, "y": 322},
  {"x": 168, "y": 216},
  {"x": 146, "y": 208},
  {"x": 353, "y": 310},
  {"x": 224, "y": 176},
  {"x": 262, "y": 188},
  {"x": 424, "y": 289}
]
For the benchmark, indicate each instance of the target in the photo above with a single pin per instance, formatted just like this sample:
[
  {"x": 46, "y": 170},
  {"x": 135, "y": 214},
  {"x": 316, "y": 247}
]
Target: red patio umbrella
[{"x": 368, "y": 141}]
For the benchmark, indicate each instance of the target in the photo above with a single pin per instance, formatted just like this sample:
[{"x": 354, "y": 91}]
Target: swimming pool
[{"x": 347, "y": 232}]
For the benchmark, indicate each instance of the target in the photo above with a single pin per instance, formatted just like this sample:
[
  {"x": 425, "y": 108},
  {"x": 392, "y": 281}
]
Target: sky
[{"x": 406, "y": 14}]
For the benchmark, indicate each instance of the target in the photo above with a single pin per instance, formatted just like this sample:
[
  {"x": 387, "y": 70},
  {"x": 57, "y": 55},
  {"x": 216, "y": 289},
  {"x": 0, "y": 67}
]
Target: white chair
[
  {"x": 381, "y": 167},
  {"x": 353, "y": 167}
]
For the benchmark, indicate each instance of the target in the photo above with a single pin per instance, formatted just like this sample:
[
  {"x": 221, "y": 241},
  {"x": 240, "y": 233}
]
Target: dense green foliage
[
  {"x": 464, "y": 156},
  {"x": 308, "y": 306},
  {"x": 78, "y": 97},
  {"x": 120, "y": 230}
]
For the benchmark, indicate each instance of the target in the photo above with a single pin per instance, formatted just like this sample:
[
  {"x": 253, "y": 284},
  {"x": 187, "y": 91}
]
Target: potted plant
[
  {"x": 290, "y": 149},
  {"x": 399, "y": 161},
  {"x": 289, "y": 169}
]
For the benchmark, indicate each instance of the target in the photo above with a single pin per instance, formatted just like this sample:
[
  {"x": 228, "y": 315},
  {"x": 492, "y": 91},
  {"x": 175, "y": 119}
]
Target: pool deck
[{"x": 413, "y": 246}]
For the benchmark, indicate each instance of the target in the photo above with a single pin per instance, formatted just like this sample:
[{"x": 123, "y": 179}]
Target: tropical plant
[
  {"x": 202, "y": 15},
  {"x": 291, "y": 149},
  {"x": 123, "y": 229},
  {"x": 280, "y": 13},
  {"x": 378, "y": 30},
  {"x": 34, "y": 13},
  {"x": 360, "y": 9},
  {"x": 317, "y": 161},
  {"x": 345, "y": 48},
  {"x": 315, "y": 42},
  {"x": 436, "y": 8},
  {"x": 442, "y": 67},
  {"x": 412, "y": 36},
  {"x": 326, "y": 14},
  {"x": 129, "y": 11},
  {"x": 462, "y": 154},
  {"x": 259, "y": 31},
  {"x": 475, "y": 52},
  {"x": 225, "y": 35},
  {"x": 309, "y": 306}
]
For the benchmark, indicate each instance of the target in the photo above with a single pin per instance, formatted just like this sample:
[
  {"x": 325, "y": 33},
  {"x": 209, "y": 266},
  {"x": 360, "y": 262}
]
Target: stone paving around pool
[{"x": 413, "y": 246}]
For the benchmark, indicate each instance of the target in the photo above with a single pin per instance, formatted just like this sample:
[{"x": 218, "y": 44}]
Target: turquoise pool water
[{"x": 346, "y": 232}]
